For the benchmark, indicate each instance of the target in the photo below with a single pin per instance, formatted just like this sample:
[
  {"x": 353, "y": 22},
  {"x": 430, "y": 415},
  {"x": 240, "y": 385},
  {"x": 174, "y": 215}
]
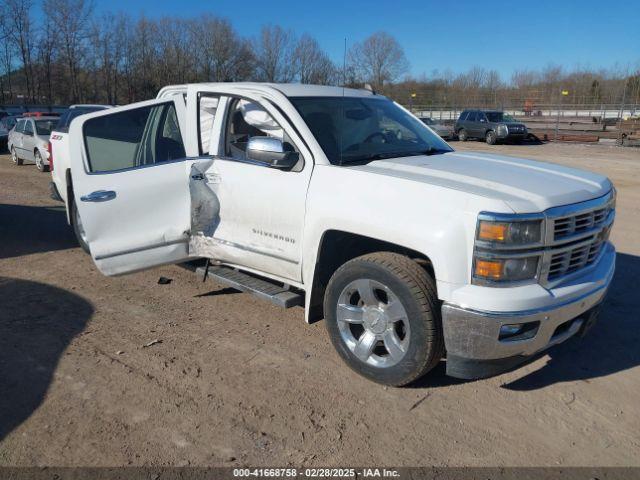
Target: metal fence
[{"x": 598, "y": 112}]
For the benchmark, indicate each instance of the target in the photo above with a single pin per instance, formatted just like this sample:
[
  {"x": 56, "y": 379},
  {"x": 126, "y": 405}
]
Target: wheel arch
[{"x": 337, "y": 247}]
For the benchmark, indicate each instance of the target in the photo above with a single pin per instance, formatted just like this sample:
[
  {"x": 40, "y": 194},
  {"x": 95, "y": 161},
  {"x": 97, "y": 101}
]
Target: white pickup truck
[
  {"x": 58, "y": 160},
  {"x": 344, "y": 202}
]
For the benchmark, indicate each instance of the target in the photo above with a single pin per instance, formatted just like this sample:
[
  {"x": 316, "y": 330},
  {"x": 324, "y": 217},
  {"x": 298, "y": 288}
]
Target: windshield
[
  {"x": 44, "y": 127},
  {"x": 499, "y": 117},
  {"x": 351, "y": 130}
]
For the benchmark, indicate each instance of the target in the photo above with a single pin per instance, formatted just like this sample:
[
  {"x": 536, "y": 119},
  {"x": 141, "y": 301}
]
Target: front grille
[
  {"x": 579, "y": 223},
  {"x": 573, "y": 259}
]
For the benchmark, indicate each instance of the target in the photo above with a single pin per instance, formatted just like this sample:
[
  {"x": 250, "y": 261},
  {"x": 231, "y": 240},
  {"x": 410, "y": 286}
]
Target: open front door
[{"x": 131, "y": 184}]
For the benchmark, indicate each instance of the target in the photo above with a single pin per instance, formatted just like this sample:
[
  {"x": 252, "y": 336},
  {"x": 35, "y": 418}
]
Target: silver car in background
[
  {"x": 440, "y": 128},
  {"x": 29, "y": 139}
]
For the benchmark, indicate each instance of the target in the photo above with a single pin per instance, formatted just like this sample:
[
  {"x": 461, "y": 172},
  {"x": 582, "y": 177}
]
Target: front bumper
[
  {"x": 513, "y": 135},
  {"x": 472, "y": 337}
]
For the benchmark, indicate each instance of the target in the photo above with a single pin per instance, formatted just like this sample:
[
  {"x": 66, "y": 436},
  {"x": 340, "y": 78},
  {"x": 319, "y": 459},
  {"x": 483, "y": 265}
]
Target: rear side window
[
  {"x": 20, "y": 126},
  {"x": 472, "y": 117},
  {"x": 463, "y": 116},
  {"x": 28, "y": 128},
  {"x": 44, "y": 127},
  {"x": 133, "y": 138}
]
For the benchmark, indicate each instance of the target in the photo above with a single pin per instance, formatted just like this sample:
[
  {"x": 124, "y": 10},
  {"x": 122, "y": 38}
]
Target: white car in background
[{"x": 28, "y": 141}]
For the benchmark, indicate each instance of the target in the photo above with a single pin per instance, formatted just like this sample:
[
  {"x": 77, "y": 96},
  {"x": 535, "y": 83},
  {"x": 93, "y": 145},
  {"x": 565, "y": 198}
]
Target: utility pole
[
  {"x": 563, "y": 93},
  {"x": 411, "y": 97}
]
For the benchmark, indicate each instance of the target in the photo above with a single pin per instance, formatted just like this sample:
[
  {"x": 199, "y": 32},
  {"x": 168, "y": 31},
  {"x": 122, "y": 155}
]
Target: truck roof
[{"x": 287, "y": 89}]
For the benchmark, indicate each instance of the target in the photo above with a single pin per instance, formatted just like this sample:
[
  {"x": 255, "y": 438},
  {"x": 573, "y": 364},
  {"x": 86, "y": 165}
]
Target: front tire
[
  {"x": 462, "y": 135},
  {"x": 491, "y": 137},
  {"x": 78, "y": 229},
  {"x": 14, "y": 157},
  {"x": 383, "y": 318}
]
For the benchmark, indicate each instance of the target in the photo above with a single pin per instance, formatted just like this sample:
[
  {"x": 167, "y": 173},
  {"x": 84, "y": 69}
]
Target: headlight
[
  {"x": 614, "y": 197},
  {"x": 509, "y": 233},
  {"x": 503, "y": 130},
  {"x": 500, "y": 252},
  {"x": 500, "y": 270}
]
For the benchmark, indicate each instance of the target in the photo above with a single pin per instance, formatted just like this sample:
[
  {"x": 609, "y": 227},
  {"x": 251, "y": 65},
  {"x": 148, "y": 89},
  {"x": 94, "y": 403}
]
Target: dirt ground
[{"x": 236, "y": 381}]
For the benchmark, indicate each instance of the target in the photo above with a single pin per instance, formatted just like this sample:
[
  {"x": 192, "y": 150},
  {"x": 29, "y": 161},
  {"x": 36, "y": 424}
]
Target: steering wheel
[{"x": 374, "y": 135}]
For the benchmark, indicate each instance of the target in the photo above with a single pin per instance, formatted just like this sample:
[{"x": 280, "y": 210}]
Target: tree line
[{"x": 62, "y": 51}]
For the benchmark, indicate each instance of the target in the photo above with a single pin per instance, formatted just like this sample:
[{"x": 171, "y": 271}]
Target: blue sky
[{"x": 443, "y": 34}]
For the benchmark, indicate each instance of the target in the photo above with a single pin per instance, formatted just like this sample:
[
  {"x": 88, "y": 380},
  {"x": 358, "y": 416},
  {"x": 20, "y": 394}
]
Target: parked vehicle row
[
  {"x": 28, "y": 134},
  {"x": 343, "y": 202}
]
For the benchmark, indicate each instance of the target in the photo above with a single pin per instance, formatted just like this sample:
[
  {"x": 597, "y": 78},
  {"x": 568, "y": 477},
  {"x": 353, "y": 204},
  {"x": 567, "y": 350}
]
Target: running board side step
[{"x": 265, "y": 289}]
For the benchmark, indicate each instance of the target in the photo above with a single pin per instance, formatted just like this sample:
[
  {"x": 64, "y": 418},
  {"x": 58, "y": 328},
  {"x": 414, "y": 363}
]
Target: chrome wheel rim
[
  {"x": 373, "y": 323},
  {"x": 39, "y": 163},
  {"x": 79, "y": 226},
  {"x": 14, "y": 157}
]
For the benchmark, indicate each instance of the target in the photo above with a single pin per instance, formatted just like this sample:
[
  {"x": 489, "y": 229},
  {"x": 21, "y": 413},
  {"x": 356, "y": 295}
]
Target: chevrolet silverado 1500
[{"x": 344, "y": 202}]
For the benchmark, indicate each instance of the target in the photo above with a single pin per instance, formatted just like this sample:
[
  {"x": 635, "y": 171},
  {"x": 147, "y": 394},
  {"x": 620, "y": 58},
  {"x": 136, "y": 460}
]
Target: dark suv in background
[{"x": 489, "y": 125}]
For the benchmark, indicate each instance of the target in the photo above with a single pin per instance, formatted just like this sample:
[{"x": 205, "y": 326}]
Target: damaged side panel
[{"x": 205, "y": 213}]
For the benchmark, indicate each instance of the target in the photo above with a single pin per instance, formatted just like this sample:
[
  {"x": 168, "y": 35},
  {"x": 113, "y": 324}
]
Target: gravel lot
[{"x": 235, "y": 381}]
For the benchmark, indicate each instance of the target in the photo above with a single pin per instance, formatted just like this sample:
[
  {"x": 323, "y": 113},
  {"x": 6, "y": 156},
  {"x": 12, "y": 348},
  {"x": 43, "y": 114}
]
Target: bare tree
[
  {"x": 71, "y": 19},
  {"x": 19, "y": 21},
  {"x": 311, "y": 64},
  {"x": 379, "y": 59},
  {"x": 273, "y": 53},
  {"x": 222, "y": 55},
  {"x": 47, "y": 42},
  {"x": 5, "y": 55}
]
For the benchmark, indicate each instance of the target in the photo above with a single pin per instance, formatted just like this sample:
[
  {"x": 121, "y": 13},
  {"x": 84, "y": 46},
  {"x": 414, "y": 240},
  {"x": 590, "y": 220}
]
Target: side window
[
  {"x": 133, "y": 138},
  {"x": 28, "y": 127},
  {"x": 207, "y": 107},
  {"x": 20, "y": 126},
  {"x": 472, "y": 117},
  {"x": 248, "y": 119},
  {"x": 482, "y": 116},
  {"x": 463, "y": 116}
]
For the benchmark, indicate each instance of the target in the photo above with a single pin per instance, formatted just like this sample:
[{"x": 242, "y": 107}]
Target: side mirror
[
  {"x": 271, "y": 152},
  {"x": 483, "y": 120}
]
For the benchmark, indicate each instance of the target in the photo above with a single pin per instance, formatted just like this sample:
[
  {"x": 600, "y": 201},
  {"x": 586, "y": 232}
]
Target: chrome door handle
[{"x": 99, "y": 196}]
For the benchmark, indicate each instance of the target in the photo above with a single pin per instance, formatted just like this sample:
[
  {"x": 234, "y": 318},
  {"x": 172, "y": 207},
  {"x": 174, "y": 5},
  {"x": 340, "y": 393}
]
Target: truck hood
[{"x": 526, "y": 186}]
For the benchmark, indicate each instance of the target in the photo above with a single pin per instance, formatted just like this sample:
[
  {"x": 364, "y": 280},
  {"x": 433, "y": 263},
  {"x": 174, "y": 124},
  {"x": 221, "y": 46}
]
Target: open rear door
[{"x": 131, "y": 184}]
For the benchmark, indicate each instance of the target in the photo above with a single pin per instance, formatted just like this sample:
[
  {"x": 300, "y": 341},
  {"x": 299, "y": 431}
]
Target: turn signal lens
[
  {"x": 489, "y": 269},
  {"x": 494, "y": 232},
  {"x": 505, "y": 269}
]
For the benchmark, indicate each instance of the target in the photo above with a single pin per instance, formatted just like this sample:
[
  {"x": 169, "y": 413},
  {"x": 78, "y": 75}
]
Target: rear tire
[
  {"x": 14, "y": 157},
  {"x": 491, "y": 138},
  {"x": 40, "y": 163},
  {"x": 383, "y": 318},
  {"x": 78, "y": 230},
  {"x": 462, "y": 135}
]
